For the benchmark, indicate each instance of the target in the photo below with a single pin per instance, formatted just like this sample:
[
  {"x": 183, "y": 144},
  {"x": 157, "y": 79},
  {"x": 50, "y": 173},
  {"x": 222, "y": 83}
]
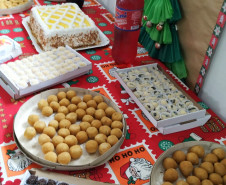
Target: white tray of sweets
[
  {"x": 104, "y": 41},
  {"x": 14, "y": 6},
  {"x": 106, "y": 108},
  {"x": 164, "y": 102},
  {"x": 40, "y": 71}
]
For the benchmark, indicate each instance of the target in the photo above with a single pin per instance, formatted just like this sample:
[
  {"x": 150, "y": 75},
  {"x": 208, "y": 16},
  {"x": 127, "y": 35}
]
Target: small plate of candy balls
[
  {"x": 69, "y": 128},
  {"x": 191, "y": 163}
]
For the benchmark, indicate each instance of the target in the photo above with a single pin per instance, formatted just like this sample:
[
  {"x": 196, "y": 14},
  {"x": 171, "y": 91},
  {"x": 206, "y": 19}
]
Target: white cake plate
[{"x": 103, "y": 39}]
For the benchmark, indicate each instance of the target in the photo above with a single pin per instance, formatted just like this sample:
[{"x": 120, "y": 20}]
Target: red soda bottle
[{"x": 128, "y": 17}]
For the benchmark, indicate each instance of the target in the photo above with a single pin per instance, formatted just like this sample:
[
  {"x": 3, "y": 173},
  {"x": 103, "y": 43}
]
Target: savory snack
[
  {"x": 219, "y": 169},
  {"x": 63, "y": 109},
  {"x": 117, "y": 132},
  {"x": 210, "y": 157},
  {"x": 91, "y": 146},
  {"x": 91, "y": 132},
  {"x": 62, "y": 147},
  {"x": 179, "y": 156},
  {"x": 63, "y": 132},
  {"x": 170, "y": 175},
  {"x": 54, "y": 123},
  {"x": 80, "y": 113},
  {"x": 84, "y": 125},
  {"x": 106, "y": 121},
  {"x": 219, "y": 152},
  {"x": 87, "y": 118},
  {"x": 42, "y": 103},
  {"x": 99, "y": 114},
  {"x": 61, "y": 95},
  {"x": 169, "y": 163},
  {"x": 54, "y": 105},
  {"x": 32, "y": 119},
  {"x": 198, "y": 149},
  {"x": 98, "y": 99},
  {"x": 51, "y": 156},
  {"x": 50, "y": 131},
  {"x": 200, "y": 173},
  {"x": 43, "y": 138},
  {"x": 167, "y": 183},
  {"x": 76, "y": 151},
  {"x": 47, "y": 147},
  {"x": 112, "y": 140},
  {"x": 104, "y": 147},
  {"x": 208, "y": 166},
  {"x": 59, "y": 116},
  {"x": 64, "y": 102},
  {"x": 207, "y": 182},
  {"x": 52, "y": 98},
  {"x": 96, "y": 123},
  {"x": 74, "y": 129},
  {"x": 193, "y": 158},
  {"x": 70, "y": 140},
  {"x": 106, "y": 130},
  {"x": 109, "y": 111},
  {"x": 64, "y": 158},
  {"x": 30, "y": 132},
  {"x": 64, "y": 123},
  {"x": 102, "y": 105},
  {"x": 90, "y": 111},
  {"x": 70, "y": 94},
  {"x": 117, "y": 124},
  {"x": 92, "y": 103},
  {"x": 82, "y": 137},
  {"x": 72, "y": 117},
  {"x": 116, "y": 116},
  {"x": 215, "y": 178},
  {"x": 193, "y": 180},
  {"x": 57, "y": 139},
  {"x": 87, "y": 97},
  {"x": 47, "y": 111},
  {"x": 76, "y": 100},
  {"x": 186, "y": 168},
  {"x": 101, "y": 138},
  {"x": 181, "y": 182},
  {"x": 39, "y": 126},
  {"x": 72, "y": 107}
]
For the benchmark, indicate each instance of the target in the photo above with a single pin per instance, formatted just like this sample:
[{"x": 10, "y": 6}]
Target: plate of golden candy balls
[
  {"x": 191, "y": 163},
  {"x": 69, "y": 128}
]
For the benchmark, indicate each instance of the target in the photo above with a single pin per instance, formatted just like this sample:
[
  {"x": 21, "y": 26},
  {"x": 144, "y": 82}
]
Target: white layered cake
[{"x": 61, "y": 25}]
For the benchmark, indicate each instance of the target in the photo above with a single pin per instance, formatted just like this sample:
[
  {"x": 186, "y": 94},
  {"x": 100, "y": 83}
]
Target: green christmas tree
[{"x": 159, "y": 34}]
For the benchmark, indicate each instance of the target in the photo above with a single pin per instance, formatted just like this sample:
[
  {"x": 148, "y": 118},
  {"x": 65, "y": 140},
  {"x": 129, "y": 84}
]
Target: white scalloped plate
[{"x": 32, "y": 149}]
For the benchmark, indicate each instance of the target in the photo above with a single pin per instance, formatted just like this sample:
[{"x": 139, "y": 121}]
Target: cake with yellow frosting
[{"x": 61, "y": 25}]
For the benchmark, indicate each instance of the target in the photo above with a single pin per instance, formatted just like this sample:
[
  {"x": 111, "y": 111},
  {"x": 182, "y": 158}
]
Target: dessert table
[{"x": 143, "y": 143}]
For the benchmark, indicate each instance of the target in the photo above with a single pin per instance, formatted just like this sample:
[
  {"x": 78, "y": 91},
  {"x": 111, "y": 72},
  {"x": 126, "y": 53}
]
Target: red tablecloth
[{"x": 143, "y": 140}]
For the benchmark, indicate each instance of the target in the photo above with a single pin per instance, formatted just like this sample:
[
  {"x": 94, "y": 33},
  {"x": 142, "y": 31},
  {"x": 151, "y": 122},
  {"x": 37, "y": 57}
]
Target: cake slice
[{"x": 61, "y": 25}]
